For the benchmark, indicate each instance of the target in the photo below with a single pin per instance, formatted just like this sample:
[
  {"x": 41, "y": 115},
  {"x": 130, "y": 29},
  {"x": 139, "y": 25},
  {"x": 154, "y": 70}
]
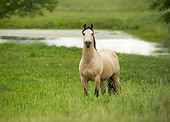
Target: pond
[{"x": 117, "y": 41}]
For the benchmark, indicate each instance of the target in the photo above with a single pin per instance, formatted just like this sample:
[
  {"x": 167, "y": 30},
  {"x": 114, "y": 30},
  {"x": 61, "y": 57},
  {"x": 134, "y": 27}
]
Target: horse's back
[
  {"x": 110, "y": 63},
  {"x": 108, "y": 53}
]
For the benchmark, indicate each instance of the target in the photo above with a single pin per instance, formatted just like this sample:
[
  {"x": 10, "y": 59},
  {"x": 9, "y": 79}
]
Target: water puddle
[{"x": 117, "y": 41}]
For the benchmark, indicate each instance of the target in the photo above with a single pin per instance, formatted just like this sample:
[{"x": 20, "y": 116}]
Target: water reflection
[{"x": 117, "y": 41}]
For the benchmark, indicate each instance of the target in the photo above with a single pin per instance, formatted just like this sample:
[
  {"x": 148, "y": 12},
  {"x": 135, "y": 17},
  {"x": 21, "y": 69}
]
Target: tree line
[
  {"x": 25, "y": 7},
  {"x": 33, "y": 7}
]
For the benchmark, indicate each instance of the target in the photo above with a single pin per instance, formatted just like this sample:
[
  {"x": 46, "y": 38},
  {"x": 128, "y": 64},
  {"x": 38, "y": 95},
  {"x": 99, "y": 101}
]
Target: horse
[{"x": 98, "y": 65}]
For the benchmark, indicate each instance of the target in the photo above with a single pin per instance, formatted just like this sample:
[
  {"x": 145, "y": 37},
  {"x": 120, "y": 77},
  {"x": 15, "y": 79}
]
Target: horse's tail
[{"x": 111, "y": 86}]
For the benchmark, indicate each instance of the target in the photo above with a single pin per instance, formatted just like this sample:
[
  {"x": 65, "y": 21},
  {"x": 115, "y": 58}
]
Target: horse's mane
[{"x": 88, "y": 27}]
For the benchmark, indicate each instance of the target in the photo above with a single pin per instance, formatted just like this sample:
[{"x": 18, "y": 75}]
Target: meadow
[
  {"x": 42, "y": 83},
  {"x": 132, "y": 16}
]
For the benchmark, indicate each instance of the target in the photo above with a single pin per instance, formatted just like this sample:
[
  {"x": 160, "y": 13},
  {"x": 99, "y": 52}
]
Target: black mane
[{"x": 87, "y": 28}]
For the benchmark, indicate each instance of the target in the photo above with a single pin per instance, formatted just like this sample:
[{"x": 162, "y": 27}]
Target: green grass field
[
  {"x": 42, "y": 83},
  {"x": 132, "y": 16}
]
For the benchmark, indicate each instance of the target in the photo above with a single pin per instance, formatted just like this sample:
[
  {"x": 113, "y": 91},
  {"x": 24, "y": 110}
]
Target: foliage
[
  {"x": 162, "y": 6},
  {"x": 41, "y": 83},
  {"x": 25, "y": 7}
]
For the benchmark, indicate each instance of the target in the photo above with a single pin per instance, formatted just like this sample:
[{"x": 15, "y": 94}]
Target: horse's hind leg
[{"x": 117, "y": 82}]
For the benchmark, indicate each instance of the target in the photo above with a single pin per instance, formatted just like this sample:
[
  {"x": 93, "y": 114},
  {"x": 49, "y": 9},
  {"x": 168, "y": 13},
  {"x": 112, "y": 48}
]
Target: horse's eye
[{"x": 92, "y": 34}]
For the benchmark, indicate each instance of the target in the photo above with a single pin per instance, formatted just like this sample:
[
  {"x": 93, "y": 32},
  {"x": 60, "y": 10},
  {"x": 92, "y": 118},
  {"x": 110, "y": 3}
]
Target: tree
[
  {"x": 25, "y": 7},
  {"x": 162, "y": 6}
]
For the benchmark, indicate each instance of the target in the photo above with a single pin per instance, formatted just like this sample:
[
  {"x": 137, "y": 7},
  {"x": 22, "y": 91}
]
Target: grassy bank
[
  {"x": 42, "y": 83},
  {"x": 132, "y": 16}
]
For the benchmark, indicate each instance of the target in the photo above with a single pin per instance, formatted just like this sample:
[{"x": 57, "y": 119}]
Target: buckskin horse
[{"x": 98, "y": 65}]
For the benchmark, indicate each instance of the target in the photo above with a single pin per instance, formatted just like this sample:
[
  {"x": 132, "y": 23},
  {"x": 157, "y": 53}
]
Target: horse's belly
[
  {"x": 107, "y": 73},
  {"x": 110, "y": 64},
  {"x": 108, "y": 68}
]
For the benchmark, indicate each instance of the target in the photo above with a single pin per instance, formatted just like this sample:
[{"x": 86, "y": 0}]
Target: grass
[
  {"x": 132, "y": 16},
  {"x": 42, "y": 83}
]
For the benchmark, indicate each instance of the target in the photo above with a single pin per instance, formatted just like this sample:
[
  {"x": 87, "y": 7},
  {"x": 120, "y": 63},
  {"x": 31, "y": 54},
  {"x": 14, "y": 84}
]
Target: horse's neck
[{"x": 89, "y": 54}]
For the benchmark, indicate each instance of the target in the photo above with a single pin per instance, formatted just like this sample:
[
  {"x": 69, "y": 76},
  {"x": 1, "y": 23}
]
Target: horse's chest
[{"x": 88, "y": 73}]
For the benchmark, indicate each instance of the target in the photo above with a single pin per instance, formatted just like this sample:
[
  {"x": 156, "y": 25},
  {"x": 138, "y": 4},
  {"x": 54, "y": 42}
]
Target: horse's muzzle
[{"x": 87, "y": 44}]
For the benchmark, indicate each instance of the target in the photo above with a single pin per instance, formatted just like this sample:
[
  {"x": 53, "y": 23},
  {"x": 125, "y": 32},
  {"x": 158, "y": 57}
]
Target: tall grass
[{"x": 42, "y": 83}]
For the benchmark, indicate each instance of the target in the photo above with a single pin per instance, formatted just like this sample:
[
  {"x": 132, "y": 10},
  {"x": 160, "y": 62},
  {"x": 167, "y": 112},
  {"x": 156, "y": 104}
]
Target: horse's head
[{"x": 88, "y": 36}]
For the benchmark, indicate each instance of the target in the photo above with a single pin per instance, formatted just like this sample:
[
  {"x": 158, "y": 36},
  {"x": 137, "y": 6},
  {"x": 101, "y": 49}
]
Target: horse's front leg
[
  {"x": 85, "y": 85},
  {"x": 97, "y": 85},
  {"x": 103, "y": 89}
]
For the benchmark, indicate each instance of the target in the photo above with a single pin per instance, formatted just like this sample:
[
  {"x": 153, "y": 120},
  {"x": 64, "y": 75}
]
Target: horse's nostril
[{"x": 88, "y": 44}]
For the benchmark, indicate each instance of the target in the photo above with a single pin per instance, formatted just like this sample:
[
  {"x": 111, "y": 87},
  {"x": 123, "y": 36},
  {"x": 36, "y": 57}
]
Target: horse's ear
[
  {"x": 84, "y": 26},
  {"x": 92, "y": 26}
]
